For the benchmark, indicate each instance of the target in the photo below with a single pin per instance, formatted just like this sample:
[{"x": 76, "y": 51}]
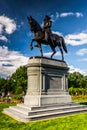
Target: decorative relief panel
[{"x": 56, "y": 82}]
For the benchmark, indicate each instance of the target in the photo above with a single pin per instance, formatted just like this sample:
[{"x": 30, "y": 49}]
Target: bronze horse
[{"x": 54, "y": 40}]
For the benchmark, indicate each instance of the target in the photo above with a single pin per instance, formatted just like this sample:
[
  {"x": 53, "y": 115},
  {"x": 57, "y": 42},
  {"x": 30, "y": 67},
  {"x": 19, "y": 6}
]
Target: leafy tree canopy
[{"x": 17, "y": 83}]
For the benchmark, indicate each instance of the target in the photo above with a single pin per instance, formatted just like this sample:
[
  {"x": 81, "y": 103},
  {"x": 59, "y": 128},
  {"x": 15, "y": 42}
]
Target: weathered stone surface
[{"x": 47, "y": 82}]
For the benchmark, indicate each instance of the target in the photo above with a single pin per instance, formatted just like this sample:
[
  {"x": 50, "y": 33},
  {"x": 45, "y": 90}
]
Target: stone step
[
  {"x": 46, "y": 106},
  {"x": 25, "y": 115},
  {"x": 19, "y": 110},
  {"x": 16, "y": 115},
  {"x": 25, "y": 118},
  {"x": 45, "y": 110},
  {"x": 56, "y": 114},
  {"x": 55, "y": 110}
]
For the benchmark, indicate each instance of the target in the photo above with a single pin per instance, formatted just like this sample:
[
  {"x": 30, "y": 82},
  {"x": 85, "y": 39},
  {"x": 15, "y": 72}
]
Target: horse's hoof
[
  {"x": 51, "y": 57},
  {"x": 41, "y": 55}
]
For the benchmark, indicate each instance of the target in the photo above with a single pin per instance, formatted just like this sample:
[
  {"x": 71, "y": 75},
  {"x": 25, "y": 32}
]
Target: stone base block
[{"x": 42, "y": 100}]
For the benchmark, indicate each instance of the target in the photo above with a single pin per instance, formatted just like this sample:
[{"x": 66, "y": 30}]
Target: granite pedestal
[
  {"x": 47, "y": 92},
  {"x": 47, "y": 82}
]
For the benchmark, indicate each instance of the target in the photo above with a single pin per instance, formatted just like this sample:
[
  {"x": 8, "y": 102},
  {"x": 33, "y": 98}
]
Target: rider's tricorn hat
[{"x": 47, "y": 18}]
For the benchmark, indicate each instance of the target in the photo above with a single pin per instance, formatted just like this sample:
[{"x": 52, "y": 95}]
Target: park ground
[{"x": 71, "y": 122}]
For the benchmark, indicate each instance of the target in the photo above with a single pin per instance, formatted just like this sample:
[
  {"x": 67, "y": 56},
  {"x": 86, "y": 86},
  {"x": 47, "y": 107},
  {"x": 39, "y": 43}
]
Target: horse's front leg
[
  {"x": 40, "y": 47},
  {"x": 31, "y": 47}
]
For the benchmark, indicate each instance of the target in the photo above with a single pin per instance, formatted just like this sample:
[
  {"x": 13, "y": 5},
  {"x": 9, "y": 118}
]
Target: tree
[
  {"x": 77, "y": 80},
  {"x": 15, "y": 84},
  {"x": 3, "y": 83},
  {"x": 18, "y": 80}
]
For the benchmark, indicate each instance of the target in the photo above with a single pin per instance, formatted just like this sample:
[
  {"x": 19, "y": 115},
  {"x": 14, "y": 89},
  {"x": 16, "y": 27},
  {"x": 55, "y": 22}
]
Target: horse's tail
[{"x": 63, "y": 44}]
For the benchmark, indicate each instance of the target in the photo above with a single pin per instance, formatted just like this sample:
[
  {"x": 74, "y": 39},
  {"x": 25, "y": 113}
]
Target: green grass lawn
[{"x": 73, "y": 122}]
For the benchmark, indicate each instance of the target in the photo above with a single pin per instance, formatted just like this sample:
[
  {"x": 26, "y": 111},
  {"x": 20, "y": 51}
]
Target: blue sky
[{"x": 69, "y": 20}]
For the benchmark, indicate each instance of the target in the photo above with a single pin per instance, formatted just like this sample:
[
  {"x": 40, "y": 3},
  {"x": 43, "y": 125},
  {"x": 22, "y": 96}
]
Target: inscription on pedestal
[{"x": 56, "y": 82}]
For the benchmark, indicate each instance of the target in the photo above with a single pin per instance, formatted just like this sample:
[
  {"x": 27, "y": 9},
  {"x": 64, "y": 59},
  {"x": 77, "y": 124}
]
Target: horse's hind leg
[
  {"x": 41, "y": 52},
  {"x": 53, "y": 54},
  {"x": 61, "y": 53},
  {"x": 54, "y": 51}
]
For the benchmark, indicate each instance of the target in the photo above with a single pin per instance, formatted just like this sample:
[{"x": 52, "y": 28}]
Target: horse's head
[
  {"x": 34, "y": 26},
  {"x": 31, "y": 23}
]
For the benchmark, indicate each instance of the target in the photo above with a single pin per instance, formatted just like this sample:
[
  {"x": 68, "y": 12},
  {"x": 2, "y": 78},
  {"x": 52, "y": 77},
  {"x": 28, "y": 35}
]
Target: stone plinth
[
  {"x": 47, "y": 93},
  {"x": 47, "y": 82}
]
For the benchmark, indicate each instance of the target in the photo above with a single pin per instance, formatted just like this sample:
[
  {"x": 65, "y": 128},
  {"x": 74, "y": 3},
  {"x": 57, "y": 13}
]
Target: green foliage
[
  {"x": 77, "y": 121},
  {"x": 77, "y": 91},
  {"x": 3, "y": 84},
  {"x": 17, "y": 83},
  {"x": 19, "y": 80},
  {"x": 18, "y": 90},
  {"x": 77, "y": 80},
  {"x": 17, "y": 97},
  {"x": 77, "y": 84}
]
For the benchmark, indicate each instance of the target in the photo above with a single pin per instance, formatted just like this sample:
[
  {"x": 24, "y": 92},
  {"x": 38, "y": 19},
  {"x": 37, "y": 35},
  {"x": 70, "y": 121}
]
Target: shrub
[
  {"x": 77, "y": 91},
  {"x": 17, "y": 97},
  {"x": 19, "y": 90}
]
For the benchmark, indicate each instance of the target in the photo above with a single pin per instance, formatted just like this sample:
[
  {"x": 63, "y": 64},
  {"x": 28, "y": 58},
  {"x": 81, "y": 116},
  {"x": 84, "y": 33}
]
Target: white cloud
[
  {"x": 48, "y": 54},
  {"x": 58, "y": 33},
  {"x": 74, "y": 69},
  {"x": 1, "y": 28},
  {"x": 7, "y": 26},
  {"x": 76, "y": 39},
  {"x": 10, "y": 61},
  {"x": 78, "y": 14},
  {"x": 3, "y": 38},
  {"x": 82, "y": 52},
  {"x": 66, "y": 14}
]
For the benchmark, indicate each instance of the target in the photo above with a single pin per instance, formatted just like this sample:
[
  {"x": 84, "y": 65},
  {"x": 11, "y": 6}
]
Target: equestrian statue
[{"x": 44, "y": 35}]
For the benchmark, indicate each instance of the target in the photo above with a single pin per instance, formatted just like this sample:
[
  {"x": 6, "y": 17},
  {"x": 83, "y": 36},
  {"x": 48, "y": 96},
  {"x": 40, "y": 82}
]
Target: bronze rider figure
[{"x": 47, "y": 27}]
